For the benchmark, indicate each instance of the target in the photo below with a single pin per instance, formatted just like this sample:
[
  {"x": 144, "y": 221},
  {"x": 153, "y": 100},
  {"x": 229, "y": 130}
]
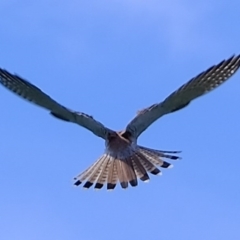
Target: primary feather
[
  {"x": 33, "y": 94},
  {"x": 196, "y": 87}
]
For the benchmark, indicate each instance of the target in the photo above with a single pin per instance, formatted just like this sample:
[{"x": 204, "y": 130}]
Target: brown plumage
[{"x": 124, "y": 161}]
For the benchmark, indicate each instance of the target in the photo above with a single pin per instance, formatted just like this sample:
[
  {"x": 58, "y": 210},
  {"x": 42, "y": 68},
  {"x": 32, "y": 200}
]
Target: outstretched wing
[
  {"x": 30, "y": 92},
  {"x": 196, "y": 87}
]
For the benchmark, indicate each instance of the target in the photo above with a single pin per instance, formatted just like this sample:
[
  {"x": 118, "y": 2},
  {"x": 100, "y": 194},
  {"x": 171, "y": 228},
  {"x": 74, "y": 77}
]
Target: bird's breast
[{"x": 119, "y": 147}]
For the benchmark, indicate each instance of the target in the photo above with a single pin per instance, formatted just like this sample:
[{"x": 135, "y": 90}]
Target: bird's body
[
  {"x": 124, "y": 160},
  {"x": 118, "y": 143}
]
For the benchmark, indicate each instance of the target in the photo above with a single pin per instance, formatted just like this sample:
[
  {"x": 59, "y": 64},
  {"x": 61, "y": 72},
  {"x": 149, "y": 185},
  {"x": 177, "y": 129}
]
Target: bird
[{"x": 124, "y": 162}]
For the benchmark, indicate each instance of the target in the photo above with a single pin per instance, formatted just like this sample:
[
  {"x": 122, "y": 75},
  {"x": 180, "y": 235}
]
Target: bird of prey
[{"x": 124, "y": 160}]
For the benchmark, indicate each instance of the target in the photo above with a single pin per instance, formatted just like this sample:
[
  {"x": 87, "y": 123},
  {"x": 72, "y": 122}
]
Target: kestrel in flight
[{"x": 124, "y": 160}]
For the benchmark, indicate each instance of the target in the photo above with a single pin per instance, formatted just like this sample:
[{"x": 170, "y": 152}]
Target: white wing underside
[
  {"x": 196, "y": 87},
  {"x": 33, "y": 94}
]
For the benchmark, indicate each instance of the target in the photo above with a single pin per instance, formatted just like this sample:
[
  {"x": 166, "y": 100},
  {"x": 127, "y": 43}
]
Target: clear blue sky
[{"x": 110, "y": 59}]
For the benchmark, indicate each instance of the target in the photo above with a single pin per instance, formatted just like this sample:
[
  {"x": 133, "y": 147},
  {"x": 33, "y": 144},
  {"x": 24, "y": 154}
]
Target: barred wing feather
[
  {"x": 196, "y": 87},
  {"x": 33, "y": 94}
]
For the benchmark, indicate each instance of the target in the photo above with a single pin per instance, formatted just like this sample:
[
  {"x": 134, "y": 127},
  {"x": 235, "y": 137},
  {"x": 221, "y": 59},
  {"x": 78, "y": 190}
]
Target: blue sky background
[{"x": 110, "y": 59}]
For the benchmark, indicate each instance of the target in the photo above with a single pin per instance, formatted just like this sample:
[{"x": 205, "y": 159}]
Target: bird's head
[{"x": 112, "y": 135}]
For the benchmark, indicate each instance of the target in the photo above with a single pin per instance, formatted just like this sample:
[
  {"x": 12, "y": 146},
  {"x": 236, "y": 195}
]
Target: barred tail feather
[
  {"x": 110, "y": 170},
  {"x": 131, "y": 173},
  {"x": 122, "y": 175},
  {"x": 112, "y": 175},
  {"x": 156, "y": 160},
  {"x": 161, "y": 153},
  {"x": 103, "y": 173},
  {"x": 88, "y": 172},
  {"x": 147, "y": 164},
  {"x": 139, "y": 168}
]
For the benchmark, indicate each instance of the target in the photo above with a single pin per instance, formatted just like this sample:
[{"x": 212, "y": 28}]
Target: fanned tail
[
  {"x": 155, "y": 156},
  {"x": 109, "y": 170}
]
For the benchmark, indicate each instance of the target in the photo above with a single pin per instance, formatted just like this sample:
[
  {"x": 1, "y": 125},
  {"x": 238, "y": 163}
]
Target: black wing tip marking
[
  {"x": 11, "y": 76},
  {"x": 234, "y": 58}
]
